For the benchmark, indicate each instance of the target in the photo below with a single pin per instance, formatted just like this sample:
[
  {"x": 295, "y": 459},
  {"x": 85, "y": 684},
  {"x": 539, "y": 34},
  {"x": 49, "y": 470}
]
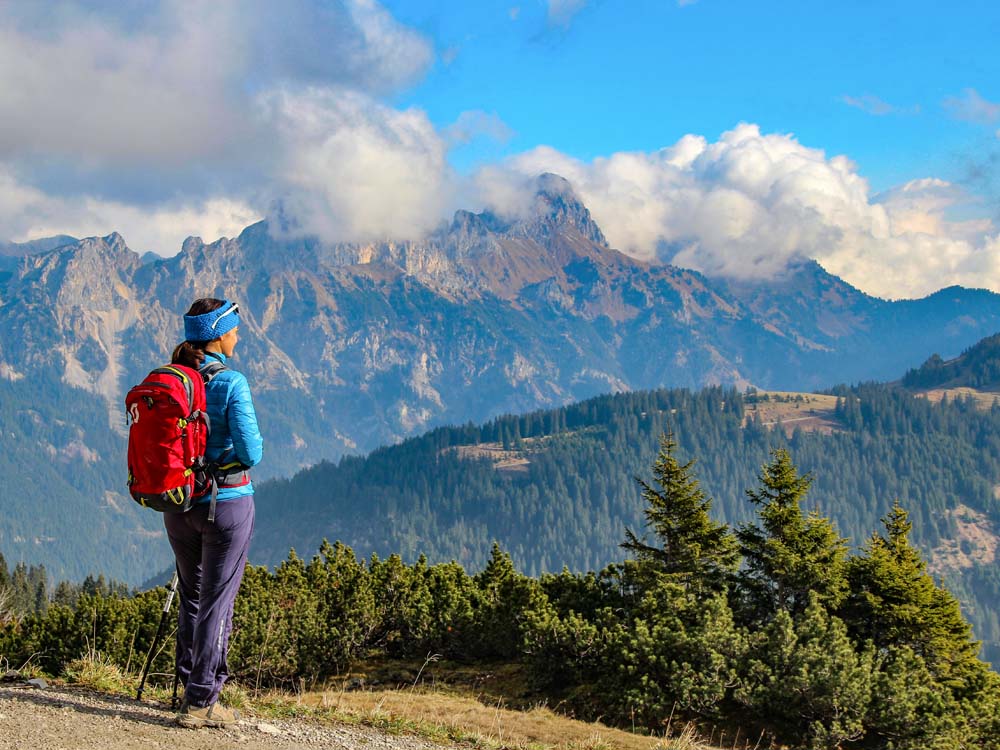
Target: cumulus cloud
[
  {"x": 177, "y": 82},
  {"x": 971, "y": 107},
  {"x": 750, "y": 203},
  {"x": 354, "y": 169},
  {"x": 28, "y": 213},
  {"x": 160, "y": 103}
]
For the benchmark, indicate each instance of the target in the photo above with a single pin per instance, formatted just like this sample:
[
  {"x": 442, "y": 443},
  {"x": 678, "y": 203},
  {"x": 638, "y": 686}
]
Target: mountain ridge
[
  {"x": 555, "y": 312},
  {"x": 353, "y": 346}
]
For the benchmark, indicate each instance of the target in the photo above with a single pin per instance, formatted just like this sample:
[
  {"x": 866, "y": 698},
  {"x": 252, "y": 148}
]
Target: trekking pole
[
  {"x": 177, "y": 677},
  {"x": 156, "y": 638}
]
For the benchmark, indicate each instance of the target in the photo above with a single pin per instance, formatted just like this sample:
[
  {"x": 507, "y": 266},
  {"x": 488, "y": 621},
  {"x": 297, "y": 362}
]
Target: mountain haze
[
  {"x": 352, "y": 346},
  {"x": 12, "y": 252}
]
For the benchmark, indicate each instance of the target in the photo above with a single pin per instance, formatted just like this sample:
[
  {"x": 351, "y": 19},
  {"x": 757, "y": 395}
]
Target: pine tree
[
  {"x": 40, "y": 603},
  {"x": 791, "y": 553},
  {"x": 805, "y": 681},
  {"x": 896, "y": 603},
  {"x": 909, "y": 709},
  {"x": 502, "y": 597},
  {"x": 691, "y": 548},
  {"x": 65, "y": 594},
  {"x": 21, "y": 590}
]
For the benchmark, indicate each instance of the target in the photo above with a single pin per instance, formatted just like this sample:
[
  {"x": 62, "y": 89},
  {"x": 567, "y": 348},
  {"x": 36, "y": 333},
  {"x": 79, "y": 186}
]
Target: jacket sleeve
[{"x": 242, "y": 422}]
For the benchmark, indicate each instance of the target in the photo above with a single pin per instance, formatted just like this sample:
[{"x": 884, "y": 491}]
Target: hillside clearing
[
  {"x": 984, "y": 399},
  {"x": 812, "y": 412}
]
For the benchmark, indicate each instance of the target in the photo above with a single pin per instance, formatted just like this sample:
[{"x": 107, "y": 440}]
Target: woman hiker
[{"x": 211, "y": 554}]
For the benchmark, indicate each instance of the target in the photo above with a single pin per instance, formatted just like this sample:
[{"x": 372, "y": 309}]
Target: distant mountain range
[
  {"x": 12, "y": 252},
  {"x": 352, "y": 346}
]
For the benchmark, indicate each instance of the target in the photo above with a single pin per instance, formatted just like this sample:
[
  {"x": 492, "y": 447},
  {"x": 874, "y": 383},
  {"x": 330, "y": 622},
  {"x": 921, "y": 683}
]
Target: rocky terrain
[{"x": 67, "y": 719}]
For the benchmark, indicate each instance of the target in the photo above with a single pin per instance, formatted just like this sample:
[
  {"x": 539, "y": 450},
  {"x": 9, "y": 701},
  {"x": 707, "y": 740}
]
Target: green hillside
[
  {"x": 557, "y": 487},
  {"x": 62, "y": 494},
  {"x": 976, "y": 367}
]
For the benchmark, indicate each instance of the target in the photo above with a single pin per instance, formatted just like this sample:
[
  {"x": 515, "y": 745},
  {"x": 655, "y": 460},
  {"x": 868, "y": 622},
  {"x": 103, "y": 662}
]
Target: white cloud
[
  {"x": 869, "y": 103},
  {"x": 971, "y": 107},
  {"x": 30, "y": 213},
  {"x": 133, "y": 105},
  {"x": 473, "y": 124},
  {"x": 561, "y": 12},
  {"x": 354, "y": 169},
  {"x": 749, "y": 203},
  {"x": 178, "y": 81}
]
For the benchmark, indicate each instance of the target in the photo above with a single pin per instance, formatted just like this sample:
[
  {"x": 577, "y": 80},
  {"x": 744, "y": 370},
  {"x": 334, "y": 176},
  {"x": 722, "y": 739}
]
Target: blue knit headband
[{"x": 213, "y": 324}]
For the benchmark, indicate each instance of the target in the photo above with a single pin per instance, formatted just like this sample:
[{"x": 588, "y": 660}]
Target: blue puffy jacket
[{"x": 234, "y": 434}]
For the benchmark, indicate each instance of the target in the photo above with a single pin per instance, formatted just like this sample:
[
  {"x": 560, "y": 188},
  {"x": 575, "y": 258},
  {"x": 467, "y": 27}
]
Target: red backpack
[{"x": 168, "y": 430}]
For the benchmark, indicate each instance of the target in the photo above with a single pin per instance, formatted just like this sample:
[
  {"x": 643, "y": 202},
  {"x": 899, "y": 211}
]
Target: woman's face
[{"x": 228, "y": 341}]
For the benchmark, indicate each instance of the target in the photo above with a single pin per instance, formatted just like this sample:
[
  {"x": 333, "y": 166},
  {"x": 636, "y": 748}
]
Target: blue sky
[
  {"x": 731, "y": 137},
  {"x": 639, "y": 75}
]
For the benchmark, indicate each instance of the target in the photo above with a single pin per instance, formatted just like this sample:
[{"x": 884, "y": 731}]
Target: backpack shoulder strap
[
  {"x": 209, "y": 371},
  {"x": 179, "y": 374}
]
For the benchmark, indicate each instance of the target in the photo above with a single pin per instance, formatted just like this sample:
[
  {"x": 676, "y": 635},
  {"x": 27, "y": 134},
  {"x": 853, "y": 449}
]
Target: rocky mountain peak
[
  {"x": 115, "y": 242},
  {"x": 556, "y": 209},
  {"x": 470, "y": 233},
  {"x": 91, "y": 272},
  {"x": 191, "y": 245}
]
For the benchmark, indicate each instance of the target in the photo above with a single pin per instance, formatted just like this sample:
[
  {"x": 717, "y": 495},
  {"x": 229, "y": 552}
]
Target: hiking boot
[{"x": 216, "y": 715}]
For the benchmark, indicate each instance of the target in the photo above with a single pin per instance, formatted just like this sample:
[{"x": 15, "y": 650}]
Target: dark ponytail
[
  {"x": 189, "y": 354},
  {"x": 192, "y": 353}
]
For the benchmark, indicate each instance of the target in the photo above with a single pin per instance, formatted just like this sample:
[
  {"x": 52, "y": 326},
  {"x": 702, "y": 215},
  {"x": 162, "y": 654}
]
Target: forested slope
[
  {"x": 976, "y": 367},
  {"x": 62, "y": 486},
  {"x": 564, "y": 491}
]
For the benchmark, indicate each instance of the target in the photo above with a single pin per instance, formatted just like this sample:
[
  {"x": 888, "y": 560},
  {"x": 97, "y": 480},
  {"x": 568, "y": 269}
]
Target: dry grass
[
  {"x": 503, "y": 460},
  {"x": 984, "y": 399},
  {"x": 976, "y": 542},
  {"x": 812, "y": 412},
  {"x": 445, "y": 716}
]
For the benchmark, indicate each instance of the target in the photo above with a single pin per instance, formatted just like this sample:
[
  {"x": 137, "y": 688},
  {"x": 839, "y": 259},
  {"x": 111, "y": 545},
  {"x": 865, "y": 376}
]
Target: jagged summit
[
  {"x": 115, "y": 242},
  {"x": 557, "y": 208},
  {"x": 551, "y": 184}
]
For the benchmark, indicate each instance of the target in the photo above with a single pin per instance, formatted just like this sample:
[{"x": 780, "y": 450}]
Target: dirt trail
[{"x": 60, "y": 718}]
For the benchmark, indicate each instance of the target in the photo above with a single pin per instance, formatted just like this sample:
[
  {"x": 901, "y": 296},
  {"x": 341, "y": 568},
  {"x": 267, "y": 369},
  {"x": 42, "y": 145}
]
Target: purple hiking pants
[{"x": 210, "y": 562}]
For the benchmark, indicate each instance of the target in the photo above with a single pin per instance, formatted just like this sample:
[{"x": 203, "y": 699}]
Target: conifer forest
[{"x": 777, "y": 625}]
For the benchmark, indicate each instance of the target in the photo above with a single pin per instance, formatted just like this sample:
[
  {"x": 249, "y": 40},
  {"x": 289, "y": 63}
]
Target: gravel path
[{"x": 60, "y": 718}]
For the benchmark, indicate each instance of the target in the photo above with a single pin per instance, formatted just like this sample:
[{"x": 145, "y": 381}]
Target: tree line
[{"x": 568, "y": 501}]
